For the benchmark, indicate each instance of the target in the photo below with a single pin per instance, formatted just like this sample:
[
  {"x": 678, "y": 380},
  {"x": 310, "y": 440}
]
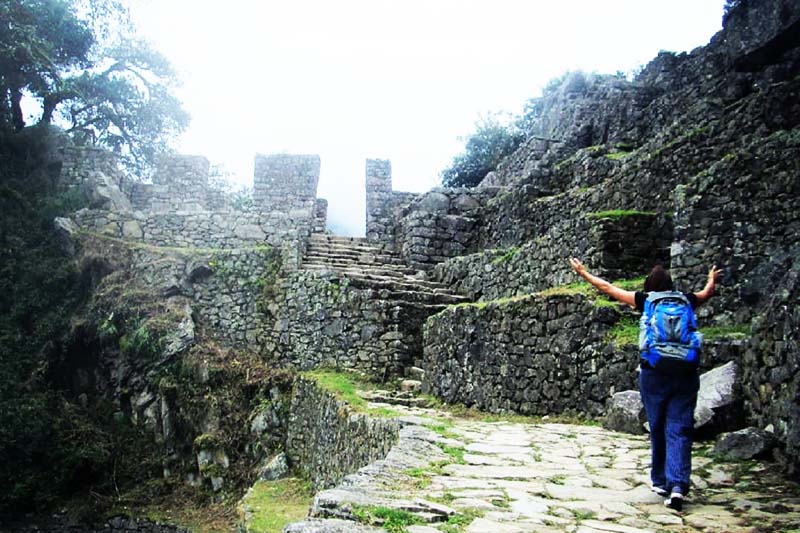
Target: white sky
[{"x": 390, "y": 79}]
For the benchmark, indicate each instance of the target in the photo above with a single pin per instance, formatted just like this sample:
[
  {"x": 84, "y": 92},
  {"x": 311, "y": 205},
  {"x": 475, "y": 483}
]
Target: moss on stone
[
  {"x": 619, "y": 213},
  {"x": 616, "y": 156},
  {"x": 733, "y": 331},
  {"x": 345, "y": 386},
  {"x": 207, "y": 441},
  {"x": 506, "y": 255},
  {"x": 625, "y": 332}
]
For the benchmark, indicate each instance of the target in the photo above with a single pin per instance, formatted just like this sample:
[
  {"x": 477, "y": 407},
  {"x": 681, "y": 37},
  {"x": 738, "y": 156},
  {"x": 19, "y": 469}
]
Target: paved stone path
[{"x": 515, "y": 477}]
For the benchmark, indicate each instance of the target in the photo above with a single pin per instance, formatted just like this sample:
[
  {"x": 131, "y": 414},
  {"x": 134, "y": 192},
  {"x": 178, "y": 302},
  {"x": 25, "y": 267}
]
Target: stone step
[
  {"x": 380, "y": 280},
  {"x": 355, "y": 269},
  {"x": 355, "y": 257}
]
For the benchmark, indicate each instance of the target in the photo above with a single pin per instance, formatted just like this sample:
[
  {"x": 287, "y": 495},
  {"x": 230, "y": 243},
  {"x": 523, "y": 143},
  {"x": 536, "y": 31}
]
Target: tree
[
  {"x": 483, "y": 150},
  {"x": 81, "y": 61}
]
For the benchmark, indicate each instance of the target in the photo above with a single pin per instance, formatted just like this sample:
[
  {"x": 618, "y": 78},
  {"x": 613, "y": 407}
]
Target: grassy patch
[
  {"x": 444, "y": 430},
  {"x": 558, "y": 479},
  {"x": 459, "y": 521},
  {"x": 456, "y": 453},
  {"x": 392, "y": 520},
  {"x": 619, "y": 213},
  {"x": 274, "y": 504},
  {"x": 582, "y": 514},
  {"x": 343, "y": 385},
  {"x": 507, "y": 256},
  {"x": 736, "y": 331},
  {"x": 616, "y": 156},
  {"x": 624, "y": 332},
  {"x": 585, "y": 289}
]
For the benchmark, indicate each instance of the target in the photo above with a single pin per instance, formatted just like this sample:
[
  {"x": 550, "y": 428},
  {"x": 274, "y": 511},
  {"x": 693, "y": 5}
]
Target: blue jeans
[{"x": 669, "y": 402}]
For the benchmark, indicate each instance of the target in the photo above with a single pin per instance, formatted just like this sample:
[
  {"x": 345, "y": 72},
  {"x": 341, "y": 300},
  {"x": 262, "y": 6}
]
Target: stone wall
[
  {"x": 179, "y": 209},
  {"x": 61, "y": 523},
  {"x": 320, "y": 216},
  {"x": 383, "y": 203},
  {"x": 285, "y": 181},
  {"x": 180, "y": 184},
  {"x": 225, "y": 286},
  {"x": 749, "y": 227},
  {"x": 440, "y": 224},
  {"x": 203, "y": 229},
  {"x": 771, "y": 369},
  {"x": 604, "y": 244},
  {"x": 327, "y": 441},
  {"x": 534, "y": 355},
  {"x": 321, "y": 319}
]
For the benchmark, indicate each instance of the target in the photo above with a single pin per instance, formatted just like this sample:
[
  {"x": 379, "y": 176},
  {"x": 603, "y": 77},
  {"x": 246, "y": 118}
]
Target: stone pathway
[{"x": 462, "y": 475}]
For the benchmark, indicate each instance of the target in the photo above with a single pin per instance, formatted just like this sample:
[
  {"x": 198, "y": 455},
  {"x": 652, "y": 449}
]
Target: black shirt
[{"x": 641, "y": 296}]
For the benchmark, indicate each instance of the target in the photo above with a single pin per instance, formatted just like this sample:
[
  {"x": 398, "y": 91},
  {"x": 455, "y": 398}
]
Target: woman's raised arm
[{"x": 621, "y": 295}]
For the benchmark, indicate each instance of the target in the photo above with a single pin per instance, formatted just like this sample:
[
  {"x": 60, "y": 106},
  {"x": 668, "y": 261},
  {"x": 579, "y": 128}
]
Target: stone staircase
[
  {"x": 386, "y": 280},
  {"x": 367, "y": 266}
]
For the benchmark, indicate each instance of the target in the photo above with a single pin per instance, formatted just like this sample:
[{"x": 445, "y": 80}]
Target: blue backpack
[{"x": 668, "y": 336}]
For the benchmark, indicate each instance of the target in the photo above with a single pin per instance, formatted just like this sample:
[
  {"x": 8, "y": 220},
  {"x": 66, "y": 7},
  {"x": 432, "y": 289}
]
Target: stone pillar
[
  {"x": 284, "y": 181},
  {"x": 379, "y": 200},
  {"x": 180, "y": 183},
  {"x": 320, "y": 215}
]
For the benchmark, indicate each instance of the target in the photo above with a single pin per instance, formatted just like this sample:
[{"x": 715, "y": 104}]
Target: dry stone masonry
[
  {"x": 533, "y": 355},
  {"x": 327, "y": 441}
]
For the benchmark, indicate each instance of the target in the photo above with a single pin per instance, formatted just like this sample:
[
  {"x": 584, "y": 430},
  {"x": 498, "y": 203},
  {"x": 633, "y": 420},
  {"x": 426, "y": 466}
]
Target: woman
[{"x": 669, "y": 400}]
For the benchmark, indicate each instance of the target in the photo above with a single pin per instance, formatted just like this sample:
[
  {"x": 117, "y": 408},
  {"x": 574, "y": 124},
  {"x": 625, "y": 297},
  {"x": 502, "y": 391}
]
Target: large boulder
[
  {"x": 625, "y": 412},
  {"x": 744, "y": 444},
  {"x": 66, "y": 234},
  {"x": 720, "y": 405},
  {"x": 102, "y": 192}
]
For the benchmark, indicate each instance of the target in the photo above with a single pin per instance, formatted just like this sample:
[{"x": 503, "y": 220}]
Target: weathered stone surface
[
  {"x": 532, "y": 355},
  {"x": 276, "y": 468},
  {"x": 625, "y": 412},
  {"x": 327, "y": 441},
  {"x": 316, "y": 525},
  {"x": 744, "y": 444},
  {"x": 719, "y": 401},
  {"x": 542, "y": 490},
  {"x": 66, "y": 231}
]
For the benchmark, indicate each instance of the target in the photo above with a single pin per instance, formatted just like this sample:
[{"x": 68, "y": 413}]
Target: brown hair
[{"x": 658, "y": 280}]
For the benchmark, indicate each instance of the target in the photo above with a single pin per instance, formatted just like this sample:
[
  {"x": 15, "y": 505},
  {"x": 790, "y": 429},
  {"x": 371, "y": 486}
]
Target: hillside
[{"x": 165, "y": 345}]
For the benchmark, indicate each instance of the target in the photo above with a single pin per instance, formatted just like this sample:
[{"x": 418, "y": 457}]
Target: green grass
[
  {"x": 443, "y": 429},
  {"x": 456, "y": 453},
  {"x": 508, "y": 255},
  {"x": 582, "y": 514},
  {"x": 275, "y": 504},
  {"x": 392, "y": 520},
  {"x": 345, "y": 386},
  {"x": 624, "y": 332},
  {"x": 619, "y": 213},
  {"x": 735, "y": 331},
  {"x": 616, "y": 156},
  {"x": 459, "y": 521}
]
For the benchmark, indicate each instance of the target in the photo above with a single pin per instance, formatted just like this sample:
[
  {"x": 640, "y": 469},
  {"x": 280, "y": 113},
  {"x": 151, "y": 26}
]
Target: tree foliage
[
  {"x": 483, "y": 150},
  {"x": 81, "y": 61}
]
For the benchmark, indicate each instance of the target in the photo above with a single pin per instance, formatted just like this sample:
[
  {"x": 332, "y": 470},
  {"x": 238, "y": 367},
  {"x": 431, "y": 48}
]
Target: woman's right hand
[{"x": 577, "y": 266}]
